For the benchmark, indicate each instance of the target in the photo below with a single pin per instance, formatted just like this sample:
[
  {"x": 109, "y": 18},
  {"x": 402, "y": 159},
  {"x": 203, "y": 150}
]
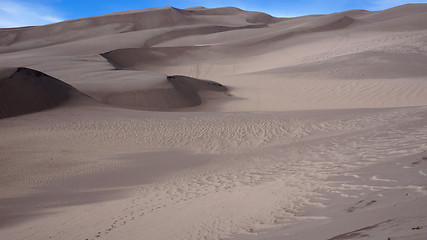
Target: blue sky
[{"x": 38, "y": 12}]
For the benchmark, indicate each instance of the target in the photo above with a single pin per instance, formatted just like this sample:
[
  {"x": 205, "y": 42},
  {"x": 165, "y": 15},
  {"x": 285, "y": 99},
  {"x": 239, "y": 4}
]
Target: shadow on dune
[
  {"x": 16, "y": 210},
  {"x": 28, "y": 91},
  {"x": 190, "y": 87},
  {"x": 140, "y": 168},
  {"x": 184, "y": 92},
  {"x": 139, "y": 58}
]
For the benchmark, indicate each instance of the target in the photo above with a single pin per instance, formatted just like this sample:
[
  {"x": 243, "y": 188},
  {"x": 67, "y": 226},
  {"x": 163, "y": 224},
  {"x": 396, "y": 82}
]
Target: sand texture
[{"x": 215, "y": 124}]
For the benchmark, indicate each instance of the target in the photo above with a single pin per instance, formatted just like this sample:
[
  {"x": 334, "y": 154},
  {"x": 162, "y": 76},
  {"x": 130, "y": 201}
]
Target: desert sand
[{"x": 215, "y": 124}]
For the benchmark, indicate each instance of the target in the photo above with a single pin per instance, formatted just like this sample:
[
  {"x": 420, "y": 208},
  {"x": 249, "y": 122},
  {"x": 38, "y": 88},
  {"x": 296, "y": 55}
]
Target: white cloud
[
  {"x": 22, "y": 13},
  {"x": 384, "y": 4}
]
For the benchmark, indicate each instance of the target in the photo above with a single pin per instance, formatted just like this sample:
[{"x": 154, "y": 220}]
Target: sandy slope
[
  {"x": 27, "y": 90},
  {"x": 215, "y": 123}
]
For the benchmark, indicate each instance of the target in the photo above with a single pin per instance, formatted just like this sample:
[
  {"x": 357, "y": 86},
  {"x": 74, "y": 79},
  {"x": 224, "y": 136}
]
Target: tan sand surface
[{"x": 215, "y": 123}]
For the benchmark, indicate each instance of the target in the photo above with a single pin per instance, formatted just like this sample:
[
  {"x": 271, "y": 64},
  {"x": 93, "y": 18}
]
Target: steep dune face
[
  {"x": 28, "y": 90},
  {"x": 183, "y": 92},
  {"x": 137, "y": 58}
]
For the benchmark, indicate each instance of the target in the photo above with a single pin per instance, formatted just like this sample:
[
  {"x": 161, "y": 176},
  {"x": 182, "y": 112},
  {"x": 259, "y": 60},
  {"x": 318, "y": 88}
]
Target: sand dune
[
  {"x": 33, "y": 37},
  {"x": 186, "y": 92},
  {"x": 28, "y": 90},
  {"x": 220, "y": 123},
  {"x": 363, "y": 65}
]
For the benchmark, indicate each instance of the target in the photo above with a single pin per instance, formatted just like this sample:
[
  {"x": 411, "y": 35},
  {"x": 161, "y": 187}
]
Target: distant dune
[{"x": 132, "y": 21}]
